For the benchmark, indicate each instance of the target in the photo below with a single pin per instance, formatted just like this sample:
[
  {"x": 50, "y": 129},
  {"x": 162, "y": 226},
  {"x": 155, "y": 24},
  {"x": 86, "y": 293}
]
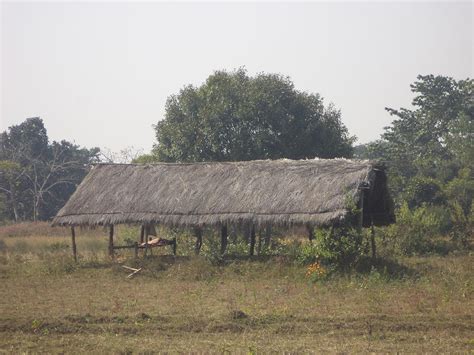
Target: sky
[{"x": 99, "y": 74}]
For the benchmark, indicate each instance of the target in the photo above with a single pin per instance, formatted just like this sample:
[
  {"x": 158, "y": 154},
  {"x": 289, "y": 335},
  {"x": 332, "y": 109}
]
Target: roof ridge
[{"x": 367, "y": 161}]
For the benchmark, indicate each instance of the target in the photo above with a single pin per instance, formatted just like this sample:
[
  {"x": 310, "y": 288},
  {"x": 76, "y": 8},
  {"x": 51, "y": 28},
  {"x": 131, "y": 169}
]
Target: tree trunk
[
  {"x": 15, "y": 213},
  {"x": 14, "y": 202},
  {"x": 36, "y": 209}
]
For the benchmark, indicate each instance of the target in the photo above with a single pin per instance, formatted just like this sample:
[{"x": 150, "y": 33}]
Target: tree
[
  {"x": 233, "y": 116},
  {"x": 434, "y": 140},
  {"x": 438, "y": 132},
  {"x": 125, "y": 156},
  {"x": 10, "y": 178},
  {"x": 430, "y": 153},
  {"x": 52, "y": 180},
  {"x": 36, "y": 176}
]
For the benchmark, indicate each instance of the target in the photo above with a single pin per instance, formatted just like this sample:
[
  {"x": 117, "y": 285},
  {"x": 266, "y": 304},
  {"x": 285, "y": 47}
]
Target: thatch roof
[{"x": 283, "y": 192}]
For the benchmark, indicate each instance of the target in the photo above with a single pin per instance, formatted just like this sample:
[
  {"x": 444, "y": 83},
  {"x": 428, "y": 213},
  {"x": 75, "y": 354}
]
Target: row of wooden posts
[{"x": 197, "y": 233}]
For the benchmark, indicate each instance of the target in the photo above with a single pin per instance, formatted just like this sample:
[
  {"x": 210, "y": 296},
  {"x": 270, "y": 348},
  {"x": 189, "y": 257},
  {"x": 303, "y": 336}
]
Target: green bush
[
  {"x": 417, "y": 230},
  {"x": 340, "y": 246},
  {"x": 462, "y": 224},
  {"x": 461, "y": 190},
  {"x": 424, "y": 190}
]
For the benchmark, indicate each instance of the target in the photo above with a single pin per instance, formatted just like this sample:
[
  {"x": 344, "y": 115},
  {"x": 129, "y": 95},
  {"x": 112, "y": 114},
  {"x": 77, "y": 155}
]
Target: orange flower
[{"x": 315, "y": 269}]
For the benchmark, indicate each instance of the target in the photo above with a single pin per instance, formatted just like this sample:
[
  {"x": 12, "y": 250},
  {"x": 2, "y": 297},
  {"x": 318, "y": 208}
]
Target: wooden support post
[
  {"x": 246, "y": 232},
  {"x": 259, "y": 241},
  {"x": 142, "y": 234},
  {"x": 310, "y": 230},
  {"x": 268, "y": 235},
  {"x": 73, "y": 240},
  {"x": 111, "y": 241},
  {"x": 145, "y": 237},
  {"x": 252, "y": 241},
  {"x": 223, "y": 239},
  {"x": 233, "y": 234},
  {"x": 198, "y": 234},
  {"x": 174, "y": 246}
]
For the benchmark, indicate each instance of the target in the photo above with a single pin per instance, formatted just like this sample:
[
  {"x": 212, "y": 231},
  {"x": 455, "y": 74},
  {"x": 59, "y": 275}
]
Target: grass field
[{"x": 50, "y": 304}]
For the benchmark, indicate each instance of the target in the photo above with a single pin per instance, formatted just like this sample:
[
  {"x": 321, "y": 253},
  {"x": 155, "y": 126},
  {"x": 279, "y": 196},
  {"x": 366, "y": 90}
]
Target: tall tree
[
  {"x": 36, "y": 176},
  {"x": 431, "y": 141},
  {"x": 233, "y": 116},
  {"x": 438, "y": 132}
]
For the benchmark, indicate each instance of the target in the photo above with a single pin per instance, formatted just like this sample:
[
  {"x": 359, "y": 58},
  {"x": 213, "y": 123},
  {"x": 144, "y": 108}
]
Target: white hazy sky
[{"x": 99, "y": 74}]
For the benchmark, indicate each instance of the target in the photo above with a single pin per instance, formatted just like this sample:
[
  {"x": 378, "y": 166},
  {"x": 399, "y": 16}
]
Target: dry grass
[
  {"x": 50, "y": 304},
  {"x": 278, "y": 192}
]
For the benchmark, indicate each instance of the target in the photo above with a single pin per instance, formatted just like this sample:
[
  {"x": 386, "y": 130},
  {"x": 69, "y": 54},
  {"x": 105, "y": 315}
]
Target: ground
[{"x": 48, "y": 303}]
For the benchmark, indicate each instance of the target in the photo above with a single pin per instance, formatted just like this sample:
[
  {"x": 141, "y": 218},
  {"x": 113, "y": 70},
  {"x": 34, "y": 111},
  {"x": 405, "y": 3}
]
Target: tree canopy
[
  {"x": 36, "y": 176},
  {"x": 438, "y": 131},
  {"x": 435, "y": 138},
  {"x": 430, "y": 153},
  {"x": 234, "y": 116}
]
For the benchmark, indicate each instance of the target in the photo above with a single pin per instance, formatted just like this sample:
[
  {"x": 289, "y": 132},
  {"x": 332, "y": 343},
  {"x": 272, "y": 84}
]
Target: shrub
[
  {"x": 340, "y": 246},
  {"x": 416, "y": 229},
  {"x": 462, "y": 224},
  {"x": 424, "y": 190},
  {"x": 461, "y": 191}
]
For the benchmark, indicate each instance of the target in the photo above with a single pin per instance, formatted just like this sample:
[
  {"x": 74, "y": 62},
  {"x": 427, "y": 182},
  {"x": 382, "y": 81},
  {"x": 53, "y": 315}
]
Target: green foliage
[
  {"x": 463, "y": 223},
  {"x": 430, "y": 152},
  {"x": 424, "y": 190},
  {"x": 233, "y": 116},
  {"x": 433, "y": 140},
  {"x": 36, "y": 176},
  {"x": 460, "y": 190},
  {"x": 339, "y": 246},
  {"x": 421, "y": 141},
  {"x": 145, "y": 159},
  {"x": 374, "y": 150},
  {"x": 307, "y": 253},
  {"x": 417, "y": 230},
  {"x": 3, "y": 209}
]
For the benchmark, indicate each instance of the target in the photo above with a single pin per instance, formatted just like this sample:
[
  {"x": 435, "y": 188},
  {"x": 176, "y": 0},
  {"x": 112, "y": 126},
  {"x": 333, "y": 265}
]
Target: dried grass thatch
[{"x": 282, "y": 192}]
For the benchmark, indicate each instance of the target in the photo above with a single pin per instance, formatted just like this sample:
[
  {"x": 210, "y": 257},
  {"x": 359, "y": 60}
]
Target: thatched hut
[{"x": 277, "y": 192}]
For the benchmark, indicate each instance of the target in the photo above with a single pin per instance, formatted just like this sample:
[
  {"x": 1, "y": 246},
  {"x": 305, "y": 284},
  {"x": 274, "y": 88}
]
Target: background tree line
[
  {"x": 430, "y": 154},
  {"x": 232, "y": 116},
  {"x": 37, "y": 176}
]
